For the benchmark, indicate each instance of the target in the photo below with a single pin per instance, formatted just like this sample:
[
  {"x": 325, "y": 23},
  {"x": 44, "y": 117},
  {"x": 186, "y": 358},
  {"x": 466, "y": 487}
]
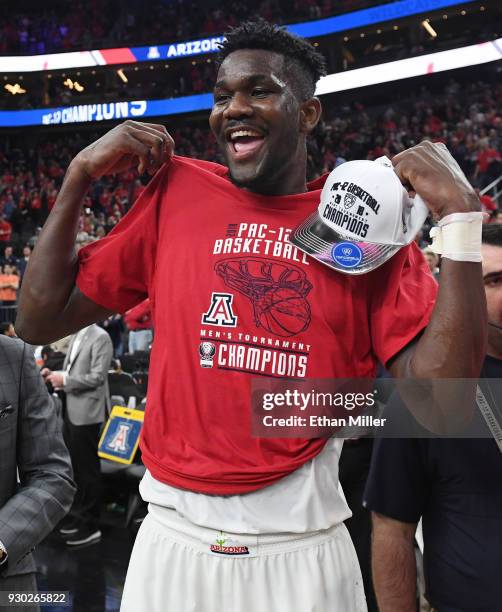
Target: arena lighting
[
  {"x": 427, "y": 26},
  {"x": 15, "y": 89},
  {"x": 431, "y": 63},
  {"x": 420, "y": 65},
  {"x": 122, "y": 75},
  {"x": 309, "y": 29},
  {"x": 73, "y": 85}
]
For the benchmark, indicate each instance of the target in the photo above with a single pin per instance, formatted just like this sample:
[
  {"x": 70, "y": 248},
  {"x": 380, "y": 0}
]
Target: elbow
[
  {"x": 31, "y": 332},
  {"x": 37, "y": 321},
  {"x": 26, "y": 331}
]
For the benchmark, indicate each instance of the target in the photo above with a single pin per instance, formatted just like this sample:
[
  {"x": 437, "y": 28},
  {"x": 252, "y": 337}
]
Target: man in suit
[
  {"x": 84, "y": 379},
  {"x": 31, "y": 444}
]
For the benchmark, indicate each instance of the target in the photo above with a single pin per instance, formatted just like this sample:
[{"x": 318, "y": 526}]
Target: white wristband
[{"x": 458, "y": 236}]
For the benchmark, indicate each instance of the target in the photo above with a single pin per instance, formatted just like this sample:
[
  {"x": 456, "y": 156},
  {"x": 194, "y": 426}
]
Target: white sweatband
[{"x": 458, "y": 236}]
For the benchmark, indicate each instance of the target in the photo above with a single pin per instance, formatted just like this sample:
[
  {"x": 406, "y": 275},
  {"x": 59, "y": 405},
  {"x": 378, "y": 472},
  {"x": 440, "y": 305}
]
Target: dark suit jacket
[{"x": 30, "y": 509}]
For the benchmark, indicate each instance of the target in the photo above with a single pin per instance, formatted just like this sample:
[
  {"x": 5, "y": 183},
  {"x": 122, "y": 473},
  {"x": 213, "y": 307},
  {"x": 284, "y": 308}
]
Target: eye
[
  {"x": 221, "y": 98},
  {"x": 260, "y": 92},
  {"x": 494, "y": 281}
]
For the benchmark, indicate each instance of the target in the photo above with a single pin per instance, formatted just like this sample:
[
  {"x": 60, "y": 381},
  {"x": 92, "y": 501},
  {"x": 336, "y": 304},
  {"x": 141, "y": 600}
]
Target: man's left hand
[
  {"x": 56, "y": 379},
  {"x": 430, "y": 170}
]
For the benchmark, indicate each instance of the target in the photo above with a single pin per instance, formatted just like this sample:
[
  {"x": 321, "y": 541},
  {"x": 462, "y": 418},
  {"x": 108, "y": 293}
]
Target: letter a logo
[
  {"x": 119, "y": 440},
  {"x": 220, "y": 311}
]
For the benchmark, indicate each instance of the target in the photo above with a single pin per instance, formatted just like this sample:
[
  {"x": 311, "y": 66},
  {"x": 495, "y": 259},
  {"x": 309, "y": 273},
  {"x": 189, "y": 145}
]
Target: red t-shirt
[
  {"x": 488, "y": 203},
  {"x": 215, "y": 262},
  {"x": 139, "y": 317},
  {"x": 5, "y": 231},
  {"x": 486, "y": 157}
]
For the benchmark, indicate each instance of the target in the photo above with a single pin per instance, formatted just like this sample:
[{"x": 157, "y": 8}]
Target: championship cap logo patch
[
  {"x": 347, "y": 254},
  {"x": 349, "y": 200}
]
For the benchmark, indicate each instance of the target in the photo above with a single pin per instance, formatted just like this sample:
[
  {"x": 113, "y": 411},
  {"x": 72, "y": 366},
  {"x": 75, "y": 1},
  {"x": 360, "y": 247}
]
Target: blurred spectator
[
  {"x": 23, "y": 262},
  {"x": 9, "y": 258},
  {"x": 487, "y": 202},
  {"x": 452, "y": 485},
  {"x": 7, "y": 329},
  {"x": 85, "y": 383},
  {"x": 139, "y": 323},
  {"x": 9, "y": 284},
  {"x": 432, "y": 261},
  {"x": 115, "y": 327},
  {"x": 52, "y": 359},
  {"x": 5, "y": 229},
  {"x": 488, "y": 165},
  {"x": 497, "y": 217}
]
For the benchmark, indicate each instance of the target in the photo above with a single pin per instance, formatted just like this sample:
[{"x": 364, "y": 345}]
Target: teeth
[{"x": 241, "y": 133}]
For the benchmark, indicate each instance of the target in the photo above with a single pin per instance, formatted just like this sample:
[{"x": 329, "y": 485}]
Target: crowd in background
[
  {"x": 56, "y": 26},
  {"x": 196, "y": 75},
  {"x": 59, "y": 26},
  {"x": 467, "y": 117}
]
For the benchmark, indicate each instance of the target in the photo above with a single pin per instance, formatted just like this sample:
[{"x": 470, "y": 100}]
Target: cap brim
[{"x": 315, "y": 238}]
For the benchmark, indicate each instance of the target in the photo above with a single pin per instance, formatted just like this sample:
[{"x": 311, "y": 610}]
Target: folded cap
[{"x": 365, "y": 216}]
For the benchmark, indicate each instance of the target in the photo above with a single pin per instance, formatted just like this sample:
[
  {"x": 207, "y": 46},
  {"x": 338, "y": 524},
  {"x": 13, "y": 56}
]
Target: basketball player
[{"x": 240, "y": 523}]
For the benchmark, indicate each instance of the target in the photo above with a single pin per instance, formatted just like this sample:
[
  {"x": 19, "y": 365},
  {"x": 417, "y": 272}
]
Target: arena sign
[
  {"x": 85, "y": 113},
  {"x": 95, "y": 112},
  {"x": 431, "y": 63},
  {"x": 171, "y": 51}
]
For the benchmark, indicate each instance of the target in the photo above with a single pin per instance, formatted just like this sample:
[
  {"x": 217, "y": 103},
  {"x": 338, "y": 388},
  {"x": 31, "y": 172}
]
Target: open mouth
[{"x": 244, "y": 143}]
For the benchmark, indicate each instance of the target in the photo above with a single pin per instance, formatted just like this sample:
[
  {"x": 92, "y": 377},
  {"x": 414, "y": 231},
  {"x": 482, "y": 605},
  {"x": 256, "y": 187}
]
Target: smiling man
[{"x": 235, "y": 522}]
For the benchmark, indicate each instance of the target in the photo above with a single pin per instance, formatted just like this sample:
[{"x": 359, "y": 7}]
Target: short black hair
[
  {"x": 492, "y": 234},
  {"x": 4, "y": 327},
  {"x": 300, "y": 56}
]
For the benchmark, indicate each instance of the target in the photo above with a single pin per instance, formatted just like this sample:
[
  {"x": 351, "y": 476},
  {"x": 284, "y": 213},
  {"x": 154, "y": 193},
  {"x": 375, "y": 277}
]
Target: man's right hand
[{"x": 131, "y": 144}]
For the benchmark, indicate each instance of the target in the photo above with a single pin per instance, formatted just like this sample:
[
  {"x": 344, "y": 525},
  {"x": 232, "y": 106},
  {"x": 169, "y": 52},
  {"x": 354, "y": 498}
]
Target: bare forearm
[
  {"x": 454, "y": 343},
  {"x": 51, "y": 305},
  {"x": 394, "y": 573},
  {"x": 50, "y": 275}
]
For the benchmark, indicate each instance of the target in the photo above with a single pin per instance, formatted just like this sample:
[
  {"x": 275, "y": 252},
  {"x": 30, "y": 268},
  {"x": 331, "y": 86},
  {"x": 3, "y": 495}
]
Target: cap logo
[
  {"x": 347, "y": 254},
  {"x": 349, "y": 200}
]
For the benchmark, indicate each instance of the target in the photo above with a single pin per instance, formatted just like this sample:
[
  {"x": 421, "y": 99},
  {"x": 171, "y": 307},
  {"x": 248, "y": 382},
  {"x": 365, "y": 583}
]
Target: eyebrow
[
  {"x": 250, "y": 80},
  {"x": 491, "y": 275}
]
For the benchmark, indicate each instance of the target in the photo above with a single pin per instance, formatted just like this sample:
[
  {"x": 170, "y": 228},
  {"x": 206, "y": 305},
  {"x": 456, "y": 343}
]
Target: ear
[{"x": 310, "y": 113}]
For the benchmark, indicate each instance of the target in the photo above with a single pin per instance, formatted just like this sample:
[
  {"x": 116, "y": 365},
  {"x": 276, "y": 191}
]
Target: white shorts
[{"x": 177, "y": 566}]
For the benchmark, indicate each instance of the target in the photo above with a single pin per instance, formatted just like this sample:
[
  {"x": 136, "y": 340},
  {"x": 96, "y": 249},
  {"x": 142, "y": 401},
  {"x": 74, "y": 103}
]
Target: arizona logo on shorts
[{"x": 229, "y": 549}]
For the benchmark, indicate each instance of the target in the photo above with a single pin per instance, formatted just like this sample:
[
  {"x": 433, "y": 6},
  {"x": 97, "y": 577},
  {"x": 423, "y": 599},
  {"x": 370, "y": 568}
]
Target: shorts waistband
[{"x": 226, "y": 544}]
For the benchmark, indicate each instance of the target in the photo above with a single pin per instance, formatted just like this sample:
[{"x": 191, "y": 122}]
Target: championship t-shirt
[{"x": 232, "y": 299}]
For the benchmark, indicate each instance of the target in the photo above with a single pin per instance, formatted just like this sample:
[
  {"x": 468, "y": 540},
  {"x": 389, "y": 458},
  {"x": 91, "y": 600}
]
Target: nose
[{"x": 238, "y": 106}]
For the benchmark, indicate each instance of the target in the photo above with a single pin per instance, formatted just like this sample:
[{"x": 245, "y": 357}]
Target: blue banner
[
  {"x": 370, "y": 16},
  {"x": 175, "y": 50},
  {"x": 86, "y": 113},
  {"x": 309, "y": 29}
]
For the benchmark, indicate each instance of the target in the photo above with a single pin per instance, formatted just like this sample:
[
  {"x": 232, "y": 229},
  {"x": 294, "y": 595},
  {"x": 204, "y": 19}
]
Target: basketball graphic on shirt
[{"x": 277, "y": 292}]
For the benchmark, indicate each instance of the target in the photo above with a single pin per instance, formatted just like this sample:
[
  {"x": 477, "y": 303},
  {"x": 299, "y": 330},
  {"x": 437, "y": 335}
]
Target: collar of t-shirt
[{"x": 221, "y": 170}]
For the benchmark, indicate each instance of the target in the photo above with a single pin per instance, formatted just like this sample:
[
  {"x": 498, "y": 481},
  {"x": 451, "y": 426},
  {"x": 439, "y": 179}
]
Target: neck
[
  {"x": 494, "y": 342},
  {"x": 288, "y": 179}
]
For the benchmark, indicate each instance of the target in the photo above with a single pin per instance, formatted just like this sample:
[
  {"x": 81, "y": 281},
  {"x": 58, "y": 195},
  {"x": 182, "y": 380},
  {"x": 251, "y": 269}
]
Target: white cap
[{"x": 365, "y": 216}]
